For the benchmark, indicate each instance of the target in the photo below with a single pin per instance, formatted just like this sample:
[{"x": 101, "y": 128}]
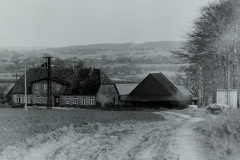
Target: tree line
[{"x": 212, "y": 50}]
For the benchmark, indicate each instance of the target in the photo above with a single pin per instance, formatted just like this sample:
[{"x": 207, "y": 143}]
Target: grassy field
[
  {"x": 222, "y": 136},
  {"x": 17, "y": 124}
]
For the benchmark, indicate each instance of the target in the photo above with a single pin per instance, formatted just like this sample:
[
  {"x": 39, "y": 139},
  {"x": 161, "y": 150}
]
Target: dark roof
[
  {"x": 53, "y": 79},
  {"x": 155, "y": 87},
  {"x": 151, "y": 98},
  {"x": 84, "y": 82},
  {"x": 35, "y": 74},
  {"x": 104, "y": 78},
  {"x": 166, "y": 83}
]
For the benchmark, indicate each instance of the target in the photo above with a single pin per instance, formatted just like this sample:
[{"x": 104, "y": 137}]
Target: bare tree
[
  {"x": 59, "y": 62},
  {"x": 3, "y": 89},
  {"x": 79, "y": 64},
  {"x": 213, "y": 45}
]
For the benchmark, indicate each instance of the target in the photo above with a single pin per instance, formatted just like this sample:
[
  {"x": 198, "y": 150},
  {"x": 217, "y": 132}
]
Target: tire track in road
[{"x": 184, "y": 144}]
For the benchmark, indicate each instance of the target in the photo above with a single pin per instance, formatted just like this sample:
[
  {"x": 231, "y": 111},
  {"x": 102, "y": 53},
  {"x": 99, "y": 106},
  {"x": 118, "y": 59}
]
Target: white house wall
[
  {"x": 62, "y": 100},
  {"x": 79, "y": 100},
  {"x": 222, "y": 97},
  {"x": 22, "y": 96},
  {"x": 106, "y": 94},
  {"x": 42, "y": 92}
]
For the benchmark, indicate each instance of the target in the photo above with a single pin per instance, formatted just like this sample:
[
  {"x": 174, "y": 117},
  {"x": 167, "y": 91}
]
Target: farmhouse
[
  {"x": 82, "y": 87},
  {"x": 154, "y": 90}
]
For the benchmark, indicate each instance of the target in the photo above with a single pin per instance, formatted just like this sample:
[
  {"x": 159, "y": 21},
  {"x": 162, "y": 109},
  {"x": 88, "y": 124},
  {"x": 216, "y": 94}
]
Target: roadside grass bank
[
  {"x": 221, "y": 136},
  {"x": 18, "y": 125}
]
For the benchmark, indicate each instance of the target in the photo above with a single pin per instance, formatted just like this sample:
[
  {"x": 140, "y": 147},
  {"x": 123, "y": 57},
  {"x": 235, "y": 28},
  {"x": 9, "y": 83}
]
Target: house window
[
  {"x": 106, "y": 99},
  {"x": 67, "y": 100},
  {"x": 44, "y": 100},
  {"x": 74, "y": 100},
  {"x": 18, "y": 99},
  {"x": 44, "y": 86},
  {"x": 91, "y": 101},
  {"x": 57, "y": 87},
  {"x": 84, "y": 101},
  {"x": 37, "y": 99},
  {"x": 37, "y": 87}
]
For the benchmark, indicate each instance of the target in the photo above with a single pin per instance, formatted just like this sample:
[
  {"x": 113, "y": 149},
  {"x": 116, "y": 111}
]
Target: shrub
[
  {"x": 4, "y": 106},
  {"x": 18, "y": 105},
  {"x": 109, "y": 105}
]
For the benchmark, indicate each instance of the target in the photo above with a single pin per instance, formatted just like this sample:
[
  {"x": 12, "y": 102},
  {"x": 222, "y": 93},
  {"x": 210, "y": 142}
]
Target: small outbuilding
[{"x": 222, "y": 97}]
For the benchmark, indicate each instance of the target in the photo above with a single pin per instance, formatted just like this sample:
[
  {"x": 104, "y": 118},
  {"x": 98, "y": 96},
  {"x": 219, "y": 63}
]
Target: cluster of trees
[
  {"x": 212, "y": 49},
  {"x": 68, "y": 63}
]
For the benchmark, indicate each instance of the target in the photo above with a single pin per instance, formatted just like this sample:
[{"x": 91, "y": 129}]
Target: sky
[{"x": 58, "y": 23}]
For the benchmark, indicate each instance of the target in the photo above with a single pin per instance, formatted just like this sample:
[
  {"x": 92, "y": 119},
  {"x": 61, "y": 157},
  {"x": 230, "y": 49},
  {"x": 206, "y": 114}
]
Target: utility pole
[
  {"x": 25, "y": 89},
  {"x": 201, "y": 87},
  {"x": 237, "y": 57},
  {"x": 49, "y": 85},
  {"x": 228, "y": 81}
]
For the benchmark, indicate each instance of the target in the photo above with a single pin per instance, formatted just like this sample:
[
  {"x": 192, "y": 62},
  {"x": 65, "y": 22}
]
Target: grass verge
[{"x": 221, "y": 136}]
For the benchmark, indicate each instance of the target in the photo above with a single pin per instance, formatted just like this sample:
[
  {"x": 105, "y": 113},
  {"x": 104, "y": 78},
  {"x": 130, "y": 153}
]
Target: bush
[
  {"x": 217, "y": 108},
  {"x": 4, "y": 106},
  {"x": 18, "y": 105},
  {"x": 108, "y": 105}
]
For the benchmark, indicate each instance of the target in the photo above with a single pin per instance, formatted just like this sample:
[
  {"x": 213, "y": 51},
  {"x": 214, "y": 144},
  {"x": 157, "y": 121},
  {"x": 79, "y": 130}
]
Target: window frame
[
  {"x": 44, "y": 86},
  {"x": 91, "y": 101},
  {"x": 37, "y": 87},
  {"x": 44, "y": 100},
  {"x": 57, "y": 99},
  {"x": 57, "y": 87},
  {"x": 75, "y": 100},
  {"x": 18, "y": 99},
  {"x": 84, "y": 101},
  {"x": 37, "y": 99},
  {"x": 67, "y": 100}
]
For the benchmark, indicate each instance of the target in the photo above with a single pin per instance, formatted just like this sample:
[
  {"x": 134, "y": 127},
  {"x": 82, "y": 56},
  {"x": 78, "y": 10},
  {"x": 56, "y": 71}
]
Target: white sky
[{"x": 55, "y": 23}]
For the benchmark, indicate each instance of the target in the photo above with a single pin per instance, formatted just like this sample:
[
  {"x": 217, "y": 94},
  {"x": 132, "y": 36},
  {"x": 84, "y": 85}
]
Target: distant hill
[
  {"x": 23, "y": 48},
  {"x": 166, "y": 45},
  {"x": 124, "y": 46},
  {"x": 161, "y": 44}
]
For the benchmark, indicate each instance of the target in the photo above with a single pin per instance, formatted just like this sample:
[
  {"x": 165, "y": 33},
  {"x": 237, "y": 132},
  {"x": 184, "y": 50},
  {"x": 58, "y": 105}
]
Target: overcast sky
[{"x": 55, "y": 23}]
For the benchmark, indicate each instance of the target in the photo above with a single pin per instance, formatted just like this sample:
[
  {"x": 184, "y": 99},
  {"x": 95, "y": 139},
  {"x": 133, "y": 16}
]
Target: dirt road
[
  {"x": 162, "y": 140},
  {"x": 185, "y": 145}
]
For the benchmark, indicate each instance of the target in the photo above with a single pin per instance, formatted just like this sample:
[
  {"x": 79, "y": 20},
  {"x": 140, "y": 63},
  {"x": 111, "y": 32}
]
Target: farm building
[
  {"x": 154, "y": 90},
  {"x": 82, "y": 87}
]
